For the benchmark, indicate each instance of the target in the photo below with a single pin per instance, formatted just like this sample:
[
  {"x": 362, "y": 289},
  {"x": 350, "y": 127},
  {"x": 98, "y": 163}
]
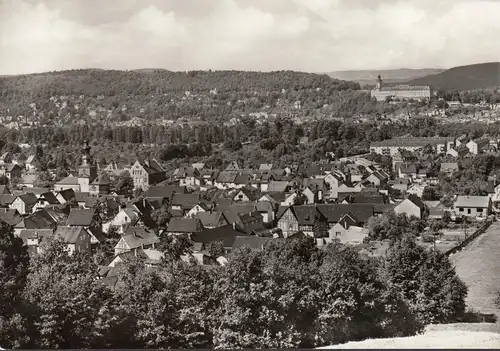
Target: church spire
[
  {"x": 379, "y": 82},
  {"x": 86, "y": 153}
]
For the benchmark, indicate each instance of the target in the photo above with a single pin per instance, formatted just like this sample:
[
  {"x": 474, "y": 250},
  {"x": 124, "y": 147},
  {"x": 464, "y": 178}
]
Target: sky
[{"x": 261, "y": 35}]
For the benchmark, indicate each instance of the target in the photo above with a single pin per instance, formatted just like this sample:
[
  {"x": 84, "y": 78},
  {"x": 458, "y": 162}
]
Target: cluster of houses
[{"x": 233, "y": 207}]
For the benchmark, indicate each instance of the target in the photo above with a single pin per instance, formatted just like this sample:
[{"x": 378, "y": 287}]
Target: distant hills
[
  {"x": 148, "y": 81},
  {"x": 477, "y": 76},
  {"x": 389, "y": 76}
]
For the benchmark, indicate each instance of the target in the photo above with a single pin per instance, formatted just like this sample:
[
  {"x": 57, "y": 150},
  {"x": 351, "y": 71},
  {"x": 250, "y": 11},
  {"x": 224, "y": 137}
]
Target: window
[
  {"x": 468, "y": 211},
  {"x": 338, "y": 233},
  {"x": 480, "y": 210},
  {"x": 461, "y": 209}
]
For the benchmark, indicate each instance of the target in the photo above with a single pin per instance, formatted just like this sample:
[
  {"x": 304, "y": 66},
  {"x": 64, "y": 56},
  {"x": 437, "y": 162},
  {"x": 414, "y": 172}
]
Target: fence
[{"x": 471, "y": 237}]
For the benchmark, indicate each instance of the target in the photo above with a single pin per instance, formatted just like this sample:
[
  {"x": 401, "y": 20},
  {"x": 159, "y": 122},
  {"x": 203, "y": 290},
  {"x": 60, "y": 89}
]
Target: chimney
[{"x": 234, "y": 225}]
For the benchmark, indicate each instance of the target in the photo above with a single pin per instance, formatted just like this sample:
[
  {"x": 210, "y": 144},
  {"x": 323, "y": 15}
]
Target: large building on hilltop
[{"x": 400, "y": 91}]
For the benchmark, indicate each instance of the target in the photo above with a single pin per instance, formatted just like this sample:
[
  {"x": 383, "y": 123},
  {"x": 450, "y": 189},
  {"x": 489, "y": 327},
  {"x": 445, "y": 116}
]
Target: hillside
[
  {"x": 77, "y": 95},
  {"x": 390, "y": 76},
  {"x": 149, "y": 81},
  {"x": 478, "y": 76}
]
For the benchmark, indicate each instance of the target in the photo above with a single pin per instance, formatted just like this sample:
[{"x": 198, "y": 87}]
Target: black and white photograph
[{"x": 249, "y": 174}]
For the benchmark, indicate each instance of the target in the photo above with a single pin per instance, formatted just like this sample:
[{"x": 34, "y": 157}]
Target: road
[{"x": 478, "y": 265}]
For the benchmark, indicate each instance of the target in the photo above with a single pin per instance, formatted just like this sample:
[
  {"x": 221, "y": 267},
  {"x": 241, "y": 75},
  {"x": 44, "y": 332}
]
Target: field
[{"x": 478, "y": 265}]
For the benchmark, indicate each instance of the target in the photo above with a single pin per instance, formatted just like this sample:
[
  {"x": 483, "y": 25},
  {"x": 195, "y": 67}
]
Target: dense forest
[
  {"x": 216, "y": 145},
  {"x": 220, "y": 95}
]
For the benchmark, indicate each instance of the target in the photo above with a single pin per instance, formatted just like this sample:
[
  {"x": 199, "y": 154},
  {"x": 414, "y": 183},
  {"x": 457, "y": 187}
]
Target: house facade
[
  {"x": 473, "y": 206},
  {"x": 147, "y": 173}
]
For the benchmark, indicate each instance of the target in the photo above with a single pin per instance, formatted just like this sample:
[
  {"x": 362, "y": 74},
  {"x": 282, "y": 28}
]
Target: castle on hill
[{"x": 404, "y": 91}]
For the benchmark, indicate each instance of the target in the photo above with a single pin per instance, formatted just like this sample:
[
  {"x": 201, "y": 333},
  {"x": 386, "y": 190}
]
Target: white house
[
  {"x": 411, "y": 206},
  {"x": 124, "y": 218},
  {"x": 472, "y": 206}
]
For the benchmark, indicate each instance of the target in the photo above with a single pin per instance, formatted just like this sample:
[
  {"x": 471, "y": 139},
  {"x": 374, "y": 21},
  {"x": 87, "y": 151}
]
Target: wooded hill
[
  {"x": 93, "y": 82},
  {"x": 478, "y": 76}
]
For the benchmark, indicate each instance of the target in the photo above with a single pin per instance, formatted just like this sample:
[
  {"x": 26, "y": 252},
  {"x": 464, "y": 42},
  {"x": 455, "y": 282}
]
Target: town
[
  {"x": 204, "y": 198},
  {"x": 249, "y": 174}
]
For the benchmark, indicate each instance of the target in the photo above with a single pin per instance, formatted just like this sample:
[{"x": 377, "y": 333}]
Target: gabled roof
[
  {"x": 135, "y": 237},
  {"x": 186, "y": 201},
  {"x": 408, "y": 168},
  {"x": 414, "y": 198},
  {"x": 49, "y": 197},
  {"x": 242, "y": 178},
  {"x": 251, "y": 193},
  {"x": 210, "y": 219},
  {"x": 315, "y": 183},
  {"x": 165, "y": 192},
  {"x": 277, "y": 186},
  {"x": 333, "y": 212},
  {"x": 4, "y": 190},
  {"x": 69, "y": 234},
  {"x": 102, "y": 179},
  {"x": 184, "y": 225},
  {"x": 10, "y": 216},
  {"x": 6, "y": 199},
  {"x": 28, "y": 199},
  {"x": 152, "y": 166},
  {"x": 472, "y": 201},
  {"x": 67, "y": 194},
  {"x": 34, "y": 233},
  {"x": 69, "y": 180},
  {"x": 81, "y": 196},
  {"x": 198, "y": 165},
  {"x": 80, "y": 217},
  {"x": 306, "y": 214},
  {"x": 226, "y": 177},
  {"x": 226, "y": 234}
]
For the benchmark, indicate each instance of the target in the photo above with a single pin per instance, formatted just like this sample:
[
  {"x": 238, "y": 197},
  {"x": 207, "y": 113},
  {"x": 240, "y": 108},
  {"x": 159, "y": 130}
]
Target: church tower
[
  {"x": 379, "y": 82},
  {"x": 87, "y": 171}
]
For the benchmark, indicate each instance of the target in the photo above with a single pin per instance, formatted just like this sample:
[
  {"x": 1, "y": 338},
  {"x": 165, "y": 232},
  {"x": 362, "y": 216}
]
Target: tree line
[{"x": 291, "y": 294}]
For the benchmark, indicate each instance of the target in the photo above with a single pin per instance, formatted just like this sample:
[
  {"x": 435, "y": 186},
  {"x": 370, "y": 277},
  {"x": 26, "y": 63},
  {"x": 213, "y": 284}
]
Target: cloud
[{"x": 312, "y": 35}]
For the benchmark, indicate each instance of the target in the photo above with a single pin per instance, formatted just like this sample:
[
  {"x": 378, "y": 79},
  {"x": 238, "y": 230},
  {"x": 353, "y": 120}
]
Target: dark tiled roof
[
  {"x": 210, "y": 219},
  {"x": 226, "y": 177},
  {"x": 29, "y": 198},
  {"x": 184, "y": 225},
  {"x": 67, "y": 194},
  {"x": 103, "y": 179},
  {"x": 135, "y": 237},
  {"x": 186, "y": 201},
  {"x": 80, "y": 217},
  {"x": 165, "y": 191},
  {"x": 33, "y": 233},
  {"x": 69, "y": 234},
  {"x": 225, "y": 233},
  {"x": 333, "y": 212},
  {"x": 253, "y": 242},
  {"x": 7, "y": 199},
  {"x": 50, "y": 198}
]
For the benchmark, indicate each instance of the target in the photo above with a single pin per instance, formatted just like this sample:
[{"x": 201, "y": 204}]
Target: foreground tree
[
  {"x": 14, "y": 262},
  {"x": 426, "y": 280},
  {"x": 73, "y": 308}
]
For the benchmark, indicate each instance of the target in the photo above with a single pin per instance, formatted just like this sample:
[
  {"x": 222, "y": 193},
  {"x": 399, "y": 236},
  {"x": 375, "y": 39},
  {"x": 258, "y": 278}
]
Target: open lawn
[
  {"x": 430, "y": 340},
  {"x": 478, "y": 265},
  {"x": 449, "y": 239}
]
